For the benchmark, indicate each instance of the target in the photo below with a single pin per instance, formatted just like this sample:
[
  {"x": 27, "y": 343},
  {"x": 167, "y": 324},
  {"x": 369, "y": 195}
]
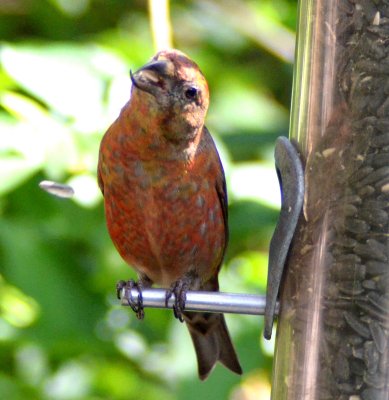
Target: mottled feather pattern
[{"x": 165, "y": 192}]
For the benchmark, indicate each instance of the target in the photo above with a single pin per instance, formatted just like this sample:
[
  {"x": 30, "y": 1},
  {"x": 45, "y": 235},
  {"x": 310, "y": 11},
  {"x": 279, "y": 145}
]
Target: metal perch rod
[{"x": 201, "y": 301}]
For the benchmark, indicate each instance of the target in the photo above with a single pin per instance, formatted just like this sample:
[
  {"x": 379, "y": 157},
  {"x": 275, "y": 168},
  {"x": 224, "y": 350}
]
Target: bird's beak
[{"x": 149, "y": 78}]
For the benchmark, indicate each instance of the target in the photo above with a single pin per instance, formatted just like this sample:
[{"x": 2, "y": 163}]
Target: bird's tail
[{"x": 212, "y": 342}]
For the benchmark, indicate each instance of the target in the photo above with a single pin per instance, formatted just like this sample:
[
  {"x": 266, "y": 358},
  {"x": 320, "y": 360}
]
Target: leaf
[{"x": 68, "y": 78}]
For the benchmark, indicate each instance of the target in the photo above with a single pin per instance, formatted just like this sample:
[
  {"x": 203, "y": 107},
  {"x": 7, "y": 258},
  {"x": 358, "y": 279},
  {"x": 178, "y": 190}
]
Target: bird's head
[{"x": 173, "y": 86}]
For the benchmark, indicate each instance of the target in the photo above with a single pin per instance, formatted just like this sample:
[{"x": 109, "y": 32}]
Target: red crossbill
[{"x": 165, "y": 194}]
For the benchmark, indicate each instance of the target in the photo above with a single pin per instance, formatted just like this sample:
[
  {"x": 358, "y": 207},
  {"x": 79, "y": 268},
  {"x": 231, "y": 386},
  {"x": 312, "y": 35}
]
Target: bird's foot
[
  {"x": 135, "y": 302},
  {"x": 179, "y": 290}
]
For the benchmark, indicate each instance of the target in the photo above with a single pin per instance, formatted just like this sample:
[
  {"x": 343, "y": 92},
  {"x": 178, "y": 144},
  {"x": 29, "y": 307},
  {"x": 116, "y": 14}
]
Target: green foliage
[{"x": 63, "y": 79}]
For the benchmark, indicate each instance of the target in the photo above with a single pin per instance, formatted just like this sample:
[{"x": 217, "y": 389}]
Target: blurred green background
[{"x": 63, "y": 79}]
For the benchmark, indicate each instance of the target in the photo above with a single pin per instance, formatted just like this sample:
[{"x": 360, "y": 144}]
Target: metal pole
[{"x": 201, "y": 301}]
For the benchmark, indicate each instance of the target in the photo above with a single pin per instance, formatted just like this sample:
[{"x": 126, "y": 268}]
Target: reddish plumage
[{"x": 165, "y": 195}]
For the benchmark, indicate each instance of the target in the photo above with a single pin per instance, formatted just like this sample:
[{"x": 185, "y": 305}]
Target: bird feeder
[{"x": 333, "y": 330}]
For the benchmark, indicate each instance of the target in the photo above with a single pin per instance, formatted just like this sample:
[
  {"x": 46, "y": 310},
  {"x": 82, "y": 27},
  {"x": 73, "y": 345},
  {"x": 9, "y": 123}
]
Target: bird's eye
[{"x": 191, "y": 93}]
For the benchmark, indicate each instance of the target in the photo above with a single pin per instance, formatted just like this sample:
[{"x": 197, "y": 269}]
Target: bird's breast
[{"x": 165, "y": 218}]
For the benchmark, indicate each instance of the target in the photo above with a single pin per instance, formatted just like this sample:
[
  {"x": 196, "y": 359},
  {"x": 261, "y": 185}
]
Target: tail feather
[{"x": 212, "y": 342}]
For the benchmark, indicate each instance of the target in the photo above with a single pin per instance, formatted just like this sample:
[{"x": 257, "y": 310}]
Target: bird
[{"x": 165, "y": 195}]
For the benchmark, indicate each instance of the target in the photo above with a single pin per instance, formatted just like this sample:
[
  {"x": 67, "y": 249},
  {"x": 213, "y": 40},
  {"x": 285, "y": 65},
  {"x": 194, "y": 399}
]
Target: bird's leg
[
  {"x": 179, "y": 289},
  {"x": 136, "y": 304},
  {"x": 291, "y": 178}
]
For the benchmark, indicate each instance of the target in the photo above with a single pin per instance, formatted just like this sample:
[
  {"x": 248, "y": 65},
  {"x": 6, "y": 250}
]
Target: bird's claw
[
  {"x": 136, "y": 303},
  {"x": 179, "y": 290},
  {"x": 119, "y": 288}
]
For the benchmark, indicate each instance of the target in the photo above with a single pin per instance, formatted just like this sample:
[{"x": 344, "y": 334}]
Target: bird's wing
[{"x": 220, "y": 186}]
